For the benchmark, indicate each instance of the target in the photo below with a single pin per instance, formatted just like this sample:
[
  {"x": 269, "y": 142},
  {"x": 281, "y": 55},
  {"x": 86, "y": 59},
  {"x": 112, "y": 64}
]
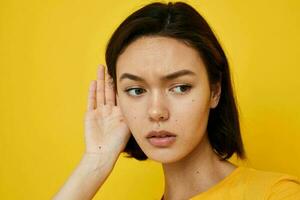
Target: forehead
[{"x": 158, "y": 55}]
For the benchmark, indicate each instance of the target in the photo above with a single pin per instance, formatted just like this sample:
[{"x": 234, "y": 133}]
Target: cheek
[
  {"x": 195, "y": 106},
  {"x": 191, "y": 116},
  {"x": 130, "y": 113}
]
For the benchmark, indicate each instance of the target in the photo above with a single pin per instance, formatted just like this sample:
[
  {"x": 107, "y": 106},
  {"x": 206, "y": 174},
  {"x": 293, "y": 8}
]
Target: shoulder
[
  {"x": 247, "y": 183},
  {"x": 286, "y": 187},
  {"x": 273, "y": 185}
]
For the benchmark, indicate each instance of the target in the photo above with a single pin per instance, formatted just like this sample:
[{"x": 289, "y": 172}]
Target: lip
[
  {"x": 159, "y": 134},
  {"x": 161, "y": 138},
  {"x": 162, "y": 142}
]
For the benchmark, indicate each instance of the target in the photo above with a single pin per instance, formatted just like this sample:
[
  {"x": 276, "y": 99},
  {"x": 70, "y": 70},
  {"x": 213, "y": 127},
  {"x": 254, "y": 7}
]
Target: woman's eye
[
  {"x": 133, "y": 89},
  {"x": 185, "y": 88},
  {"x": 138, "y": 91}
]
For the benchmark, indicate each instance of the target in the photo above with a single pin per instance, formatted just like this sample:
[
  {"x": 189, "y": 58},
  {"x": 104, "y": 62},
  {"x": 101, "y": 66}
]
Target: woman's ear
[{"x": 215, "y": 95}]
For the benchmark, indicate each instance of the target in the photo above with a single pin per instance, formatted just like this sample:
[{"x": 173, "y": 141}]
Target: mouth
[
  {"x": 161, "y": 138},
  {"x": 162, "y": 141},
  {"x": 161, "y": 133}
]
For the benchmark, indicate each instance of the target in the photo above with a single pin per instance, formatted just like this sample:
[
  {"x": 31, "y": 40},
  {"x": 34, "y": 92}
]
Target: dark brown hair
[{"x": 181, "y": 21}]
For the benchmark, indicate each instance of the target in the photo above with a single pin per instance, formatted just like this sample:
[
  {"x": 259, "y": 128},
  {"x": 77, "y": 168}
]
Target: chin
[{"x": 164, "y": 156}]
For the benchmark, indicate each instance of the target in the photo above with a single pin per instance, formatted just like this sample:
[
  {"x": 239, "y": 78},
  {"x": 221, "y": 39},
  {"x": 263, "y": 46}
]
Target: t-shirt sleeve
[{"x": 285, "y": 188}]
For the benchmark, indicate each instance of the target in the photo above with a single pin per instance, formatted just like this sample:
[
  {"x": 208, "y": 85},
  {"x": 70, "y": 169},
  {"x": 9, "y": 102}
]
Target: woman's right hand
[
  {"x": 105, "y": 127},
  {"x": 106, "y": 136}
]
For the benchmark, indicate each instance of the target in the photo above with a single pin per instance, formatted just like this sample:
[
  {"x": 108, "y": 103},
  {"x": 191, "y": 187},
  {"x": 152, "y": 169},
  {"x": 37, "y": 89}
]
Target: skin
[{"x": 168, "y": 105}]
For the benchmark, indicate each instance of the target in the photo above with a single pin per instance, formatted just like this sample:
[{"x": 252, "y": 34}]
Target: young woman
[{"x": 167, "y": 96}]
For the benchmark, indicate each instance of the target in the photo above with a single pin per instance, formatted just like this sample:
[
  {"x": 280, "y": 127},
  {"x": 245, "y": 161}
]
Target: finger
[
  {"x": 92, "y": 96},
  {"x": 100, "y": 86},
  {"x": 109, "y": 90}
]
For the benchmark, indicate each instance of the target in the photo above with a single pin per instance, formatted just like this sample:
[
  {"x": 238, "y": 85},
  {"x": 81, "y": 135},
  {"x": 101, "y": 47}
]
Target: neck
[{"x": 195, "y": 173}]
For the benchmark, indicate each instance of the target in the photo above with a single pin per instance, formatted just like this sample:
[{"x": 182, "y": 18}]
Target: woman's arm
[
  {"x": 106, "y": 136},
  {"x": 87, "y": 178}
]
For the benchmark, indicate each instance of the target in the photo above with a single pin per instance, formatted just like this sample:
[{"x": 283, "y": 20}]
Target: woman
[{"x": 167, "y": 95}]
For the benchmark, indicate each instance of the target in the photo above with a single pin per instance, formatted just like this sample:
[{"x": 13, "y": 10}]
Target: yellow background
[{"x": 49, "y": 52}]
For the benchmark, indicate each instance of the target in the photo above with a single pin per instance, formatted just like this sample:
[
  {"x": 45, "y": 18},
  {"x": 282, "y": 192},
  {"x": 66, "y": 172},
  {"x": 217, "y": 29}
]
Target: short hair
[{"x": 180, "y": 21}]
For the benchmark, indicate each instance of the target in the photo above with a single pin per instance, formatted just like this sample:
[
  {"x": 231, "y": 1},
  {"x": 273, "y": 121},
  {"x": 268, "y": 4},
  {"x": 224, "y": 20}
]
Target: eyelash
[{"x": 184, "y": 85}]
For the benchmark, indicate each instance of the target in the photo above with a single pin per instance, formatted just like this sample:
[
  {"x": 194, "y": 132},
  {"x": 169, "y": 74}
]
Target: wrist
[{"x": 98, "y": 162}]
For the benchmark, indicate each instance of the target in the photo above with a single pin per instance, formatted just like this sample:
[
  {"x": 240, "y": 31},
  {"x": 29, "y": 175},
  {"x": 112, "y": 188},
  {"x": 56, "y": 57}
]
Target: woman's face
[{"x": 179, "y": 104}]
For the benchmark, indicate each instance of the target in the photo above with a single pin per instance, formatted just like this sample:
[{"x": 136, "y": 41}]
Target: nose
[{"x": 158, "y": 111}]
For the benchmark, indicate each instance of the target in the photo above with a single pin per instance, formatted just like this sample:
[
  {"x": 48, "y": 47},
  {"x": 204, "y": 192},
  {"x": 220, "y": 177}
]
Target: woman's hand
[
  {"x": 106, "y": 135},
  {"x": 105, "y": 128}
]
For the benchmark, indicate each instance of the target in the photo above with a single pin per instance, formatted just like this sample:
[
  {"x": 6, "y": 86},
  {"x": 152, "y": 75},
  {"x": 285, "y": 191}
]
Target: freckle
[
  {"x": 193, "y": 100},
  {"x": 99, "y": 147},
  {"x": 197, "y": 172}
]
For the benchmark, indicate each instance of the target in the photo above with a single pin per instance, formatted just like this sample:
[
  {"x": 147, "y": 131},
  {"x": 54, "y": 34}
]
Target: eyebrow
[{"x": 164, "y": 78}]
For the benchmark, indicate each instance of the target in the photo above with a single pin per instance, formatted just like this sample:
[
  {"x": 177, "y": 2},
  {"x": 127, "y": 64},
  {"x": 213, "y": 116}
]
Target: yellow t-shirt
[{"x": 246, "y": 183}]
